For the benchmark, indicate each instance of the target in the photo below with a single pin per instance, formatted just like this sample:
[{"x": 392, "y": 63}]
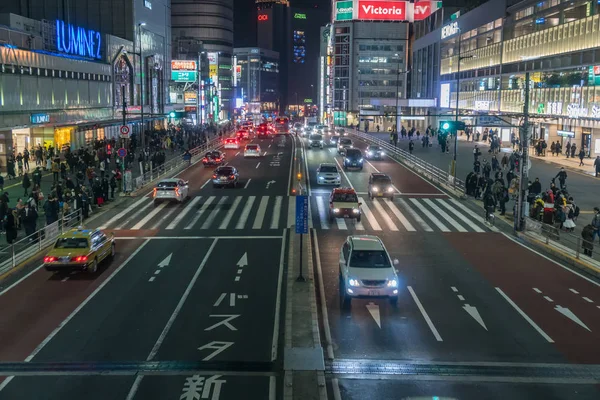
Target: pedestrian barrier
[
  {"x": 429, "y": 171},
  {"x": 20, "y": 251}
]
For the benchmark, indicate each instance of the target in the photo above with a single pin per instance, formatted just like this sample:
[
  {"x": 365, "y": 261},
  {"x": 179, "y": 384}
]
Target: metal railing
[
  {"x": 176, "y": 163},
  {"x": 23, "y": 249},
  {"x": 564, "y": 241},
  {"x": 425, "y": 169}
]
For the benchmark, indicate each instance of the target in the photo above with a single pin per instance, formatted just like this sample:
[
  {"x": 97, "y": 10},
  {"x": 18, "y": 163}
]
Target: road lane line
[
  {"x": 291, "y": 218},
  {"x": 367, "y": 212},
  {"x": 409, "y": 227},
  {"x": 237, "y": 154},
  {"x": 445, "y": 215},
  {"x": 291, "y": 167},
  {"x": 324, "y": 312},
  {"x": 134, "y": 216},
  {"x": 385, "y": 216},
  {"x": 537, "y": 290},
  {"x": 430, "y": 216},
  {"x": 533, "y": 324},
  {"x": 126, "y": 211},
  {"x": 152, "y": 278},
  {"x": 257, "y": 165},
  {"x": 204, "y": 184},
  {"x": 260, "y": 214},
  {"x": 245, "y": 213},
  {"x": 272, "y": 388},
  {"x": 306, "y": 171},
  {"x": 454, "y": 289},
  {"x": 425, "y": 315},
  {"x": 322, "y": 213},
  {"x": 343, "y": 172},
  {"x": 335, "y": 385},
  {"x": 149, "y": 216},
  {"x": 466, "y": 210},
  {"x": 183, "y": 213},
  {"x": 247, "y": 183},
  {"x": 220, "y": 300},
  {"x": 276, "y": 323},
  {"x": 415, "y": 215},
  {"x": 199, "y": 213},
  {"x": 467, "y": 221},
  {"x": 549, "y": 299},
  {"x": 574, "y": 291},
  {"x": 276, "y": 212},
  {"x": 167, "y": 328},
  {"x": 213, "y": 214},
  {"x": 460, "y": 297},
  {"x": 230, "y": 213},
  {"x": 341, "y": 224},
  {"x": 588, "y": 299}
]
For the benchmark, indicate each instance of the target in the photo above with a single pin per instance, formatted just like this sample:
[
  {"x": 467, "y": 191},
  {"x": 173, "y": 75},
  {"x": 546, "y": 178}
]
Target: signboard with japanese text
[
  {"x": 183, "y": 65},
  {"x": 302, "y": 214}
]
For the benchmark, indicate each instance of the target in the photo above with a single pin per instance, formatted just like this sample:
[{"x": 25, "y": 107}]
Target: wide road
[
  {"x": 468, "y": 295},
  {"x": 193, "y": 286}
]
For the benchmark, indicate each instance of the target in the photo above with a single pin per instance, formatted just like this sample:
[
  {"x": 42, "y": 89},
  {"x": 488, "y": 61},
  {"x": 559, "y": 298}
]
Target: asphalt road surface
[
  {"x": 468, "y": 295},
  {"x": 193, "y": 285}
]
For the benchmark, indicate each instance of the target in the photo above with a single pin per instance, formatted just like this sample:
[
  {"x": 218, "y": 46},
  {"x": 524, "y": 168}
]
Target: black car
[
  {"x": 213, "y": 158},
  {"x": 225, "y": 176},
  {"x": 380, "y": 185},
  {"x": 353, "y": 158},
  {"x": 374, "y": 152}
]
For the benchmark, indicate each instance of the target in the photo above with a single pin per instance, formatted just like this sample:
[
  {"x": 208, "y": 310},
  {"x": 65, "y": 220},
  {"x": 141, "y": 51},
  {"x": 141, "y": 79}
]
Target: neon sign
[
  {"x": 299, "y": 16},
  {"x": 263, "y": 17},
  {"x": 77, "y": 41}
]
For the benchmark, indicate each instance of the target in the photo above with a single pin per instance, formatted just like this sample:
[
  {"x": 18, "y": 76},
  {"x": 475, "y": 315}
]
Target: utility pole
[
  {"x": 198, "y": 95},
  {"x": 397, "y": 91},
  {"x": 456, "y": 116},
  {"x": 522, "y": 205},
  {"x": 142, "y": 133}
]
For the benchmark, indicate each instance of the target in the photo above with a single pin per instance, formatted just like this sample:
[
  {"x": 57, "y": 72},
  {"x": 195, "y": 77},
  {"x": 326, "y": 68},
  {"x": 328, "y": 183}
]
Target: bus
[{"x": 282, "y": 125}]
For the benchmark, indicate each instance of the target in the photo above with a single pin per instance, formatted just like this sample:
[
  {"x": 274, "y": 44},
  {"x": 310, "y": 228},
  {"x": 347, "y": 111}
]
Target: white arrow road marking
[
  {"x": 243, "y": 261},
  {"x": 374, "y": 311},
  {"x": 166, "y": 261},
  {"x": 475, "y": 314},
  {"x": 569, "y": 314}
]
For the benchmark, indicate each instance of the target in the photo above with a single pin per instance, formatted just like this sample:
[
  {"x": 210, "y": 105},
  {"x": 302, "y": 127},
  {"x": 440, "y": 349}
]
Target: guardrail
[
  {"x": 429, "y": 171},
  {"x": 18, "y": 252}
]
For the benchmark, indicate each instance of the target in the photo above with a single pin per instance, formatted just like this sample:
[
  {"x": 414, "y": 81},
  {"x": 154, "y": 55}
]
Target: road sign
[
  {"x": 301, "y": 214},
  {"x": 122, "y": 152},
  {"x": 124, "y": 130}
]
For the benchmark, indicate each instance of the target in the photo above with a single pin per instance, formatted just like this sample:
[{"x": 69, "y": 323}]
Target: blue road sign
[
  {"x": 301, "y": 214},
  {"x": 122, "y": 152}
]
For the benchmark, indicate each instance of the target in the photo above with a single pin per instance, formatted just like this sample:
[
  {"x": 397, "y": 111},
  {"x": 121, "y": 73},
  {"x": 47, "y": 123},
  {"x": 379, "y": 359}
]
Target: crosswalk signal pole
[
  {"x": 522, "y": 205},
  {"x": 300, "y": 275}
]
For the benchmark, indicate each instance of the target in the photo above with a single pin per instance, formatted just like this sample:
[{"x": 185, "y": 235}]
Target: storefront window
[
  {"x": 21, "y": 140},
  {"x": 62, "y": 137},
  {"x": 100, "y": 134},
  {"x": 89, "y": 136}
]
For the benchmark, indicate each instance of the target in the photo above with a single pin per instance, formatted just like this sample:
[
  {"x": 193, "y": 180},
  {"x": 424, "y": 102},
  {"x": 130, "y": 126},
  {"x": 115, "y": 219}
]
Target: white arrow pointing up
[
  {"x": 243, "y": 261},
  {"x": 166, "y": 261},
  {"x": 569, "y": 314},
  {"x": 374, "y": 311},
  {"x": 475, "y": 314}
]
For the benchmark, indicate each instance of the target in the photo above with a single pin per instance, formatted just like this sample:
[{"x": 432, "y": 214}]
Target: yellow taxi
[{"x": 80, "y": 250}]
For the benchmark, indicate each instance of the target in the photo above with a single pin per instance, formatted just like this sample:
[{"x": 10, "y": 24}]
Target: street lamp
[
  {"x": 142, "y": 133},
  {"x": 397, "y": 90}
]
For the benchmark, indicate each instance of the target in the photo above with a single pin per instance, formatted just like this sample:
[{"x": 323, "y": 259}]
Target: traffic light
[
  {"x": 452, "y": 126},
  {"x": 172, "y": 114}
]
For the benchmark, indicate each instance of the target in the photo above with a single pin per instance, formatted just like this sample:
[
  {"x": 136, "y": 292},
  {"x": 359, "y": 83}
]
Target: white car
[
  {"x": 173, "y": 189},
  {"x": 328, "y": 174},
  {"x": 252, "y": 150},
  {"x": 340, "y": 132},
  {"x": 366, "y": 270},
  {"x": 232, "y": 143}
]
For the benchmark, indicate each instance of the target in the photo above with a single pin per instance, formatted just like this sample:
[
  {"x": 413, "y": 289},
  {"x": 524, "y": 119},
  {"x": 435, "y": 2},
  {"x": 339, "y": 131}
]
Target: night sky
[{"x": 245, "y": 19}]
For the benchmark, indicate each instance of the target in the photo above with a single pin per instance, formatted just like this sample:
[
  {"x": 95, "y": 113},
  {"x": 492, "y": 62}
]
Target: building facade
[{"x": 256, "y": 79}]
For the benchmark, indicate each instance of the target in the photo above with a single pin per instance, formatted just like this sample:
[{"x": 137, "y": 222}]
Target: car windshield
[
  {"x": 166, "y": 185},
  {"x": 329, "y": 168},
  {"x": 353, "y": 153},
  {"x": 316, "y": 137},
  {"x": 252, "y": 147},
  {"x": 382, "y": 180},
  {"x": 369, "y": 259},
  {"x": 374, "y": 148},
  {"x": 224, "y": 171},
  {"x": 345, "y": 141},
  {"x": 71, "y": 243},
  {"x": 345, "y": 197}
]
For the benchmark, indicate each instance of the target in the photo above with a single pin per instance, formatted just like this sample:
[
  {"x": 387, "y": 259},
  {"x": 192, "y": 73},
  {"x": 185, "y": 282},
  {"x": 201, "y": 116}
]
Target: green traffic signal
[
  {"x": 172, "y": 114},
  {"x": 445, "y": 125}
]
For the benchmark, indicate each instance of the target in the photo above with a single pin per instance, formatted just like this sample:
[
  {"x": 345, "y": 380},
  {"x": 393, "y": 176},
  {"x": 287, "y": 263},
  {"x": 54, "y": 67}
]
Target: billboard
[
  {"x": 445, "y": 95},
  {"x": 190, "y": 98},
  {"x": 299, "y": 49},
  {"x": 183, "y": 65},
  {"x": 382, "y": 10},
  {"x": 385, "y": 10},
  {"x": 183, "y": 76},
  {"x": 423, "y": 9},
  {"x": 344, "y": 10}
]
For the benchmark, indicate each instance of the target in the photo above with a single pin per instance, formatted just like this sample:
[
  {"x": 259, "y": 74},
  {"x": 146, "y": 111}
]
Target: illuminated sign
[
  {"x": 382, "y": 10},
  {"x": 40, "y": 118},
  {"x": 299, "y": 16},
  {"x": 540, "y": 21},
  {"x": 450, "y": 30},
  {"x": 183, "y": 76},
  {"x": 594, "y": 75},
  {"x": 423, "y": 9},
  {"x": 263, "y": 17},
  {"x": 574, "y": 110},
  {"x": 308, "y": 101},
  {"x": 568, "y": 134},
  {"x": 77, "y": 41},
  {"x": 595, "y": 111},
  {"x": 183, "y": 65},
  {"x": 344, "y": 10},
  {"x": 554, "y": 108},
  {"x": 190, "y": 98},
  {"x": 445, "y": 95}
]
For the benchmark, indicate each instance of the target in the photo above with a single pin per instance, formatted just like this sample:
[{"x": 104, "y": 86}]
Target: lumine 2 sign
[{"x": 77, "y": 41}]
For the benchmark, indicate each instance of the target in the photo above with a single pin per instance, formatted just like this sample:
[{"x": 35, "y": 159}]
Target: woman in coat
[{"x": 587, "y": 234}]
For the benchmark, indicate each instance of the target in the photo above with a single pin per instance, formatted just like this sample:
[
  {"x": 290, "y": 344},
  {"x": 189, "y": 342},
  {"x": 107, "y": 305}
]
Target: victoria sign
[
  {"x": 382, "y": 10},
  {"x": 77, "y": 41}
]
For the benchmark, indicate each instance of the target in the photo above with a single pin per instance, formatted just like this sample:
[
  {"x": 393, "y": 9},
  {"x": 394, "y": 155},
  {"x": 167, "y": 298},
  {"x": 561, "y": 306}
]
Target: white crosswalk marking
[
  {"x": 322, "y": 213},
  {"x": 359, "y": 226},
  {"x": 460, "y": 216},
  {"x": 445, "y": 215},
  {"x": 260, "y": 214},
  {"x": 201, "y": 211},
  {"x": 126, "y": 211},
  {"x": 367, "y": 212},
  {"x": 291, "y": 218},
  {"x": 409, "y": 227},
  {"x": 385, "y": 216},
  {"x": 429, "y": 215},
  {"x": 165, "y": 216},
  {"x": 276, "y": 212},
  {"x": 245, "y": 213},
  {"x": 467, "y": 210},
  {"x": 183, "y": 213},
  {"x": 135, "y": 215},
  {"x": 341, "y": 224},
  {"x": 211, "y": 216},
  {"x": 416, "y": 216},
  {"x": 149, "y": 216},
  {"x": 230, "y": 213}
]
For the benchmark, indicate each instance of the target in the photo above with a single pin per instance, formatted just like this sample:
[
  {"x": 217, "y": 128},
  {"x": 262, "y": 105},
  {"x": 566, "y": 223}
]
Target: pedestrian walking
[
  {"x": 26, "y": 184},
  {"x": 587, "y": 234}
]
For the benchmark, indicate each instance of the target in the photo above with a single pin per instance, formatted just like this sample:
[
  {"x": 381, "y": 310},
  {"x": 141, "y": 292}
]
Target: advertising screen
[
  {"x": 183, "y": 65},
  {"x": 445, "y": 95},
  {"x": 183, "y": 76},
  {"x": 382, "y": 10},
  {"x": 344, "y": 10},
  {"x": 299, "y": 48}
]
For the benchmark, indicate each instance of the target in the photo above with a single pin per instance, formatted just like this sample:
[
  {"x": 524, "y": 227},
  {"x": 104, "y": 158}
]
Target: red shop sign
[
  {"x": 382, "y": 10},
  {"x": 263, "y": 17}
]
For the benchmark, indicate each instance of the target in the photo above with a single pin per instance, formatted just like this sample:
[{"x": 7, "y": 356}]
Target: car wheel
[
  {"x": 358, "y": 218},
  {"x": 330, "y": 217},
  {"x": 370, "y": 196},
  {"x": 394, "y": 300},
  {"x": 392, "y": 198},
  {"x": 215, "y": 186},
  {"x": 345, "y": 300},
  {"x": 93, "y": 267},
  {"x": 112, "y": 251}
]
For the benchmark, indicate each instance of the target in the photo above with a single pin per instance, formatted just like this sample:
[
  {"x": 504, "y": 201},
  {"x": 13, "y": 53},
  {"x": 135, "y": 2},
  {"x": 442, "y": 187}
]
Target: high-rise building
[
  {"x": 211, "y": 23},
  {"x": 256, "y": 77}
]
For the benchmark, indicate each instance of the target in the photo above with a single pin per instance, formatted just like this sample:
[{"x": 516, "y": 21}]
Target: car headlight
[
  {"x": 351, "y": 146},
  {"x": 353, "y": 282},
  {"x": 369, "y": 153},
  {"x": 381, "y": 153},
  {"x": 320, "y": 141},
  {"x": 336, "y": 210},
  {"x": 361, "y": 160},
  {"x": 375, "y": 189},
  {"x": 355, "y": 210},
  {"x": 320, "y": 178},
  {"x": 392, "y": 283},
  {"x": 390, "y": 189}
]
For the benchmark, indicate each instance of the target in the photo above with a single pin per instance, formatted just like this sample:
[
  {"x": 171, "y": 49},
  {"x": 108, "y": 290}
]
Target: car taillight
[
  {"x": 218, "y": 159},
  {"x": 204, "y": 159},
  {"x": 49, "y": 259},
  {"x": 214, "y": 176},
  {"x": 176, "y": 191},
  {"x": 155, "y": 190},
  {"x": 231, "y": 176},
  {"x": 79, "y": 259}
]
